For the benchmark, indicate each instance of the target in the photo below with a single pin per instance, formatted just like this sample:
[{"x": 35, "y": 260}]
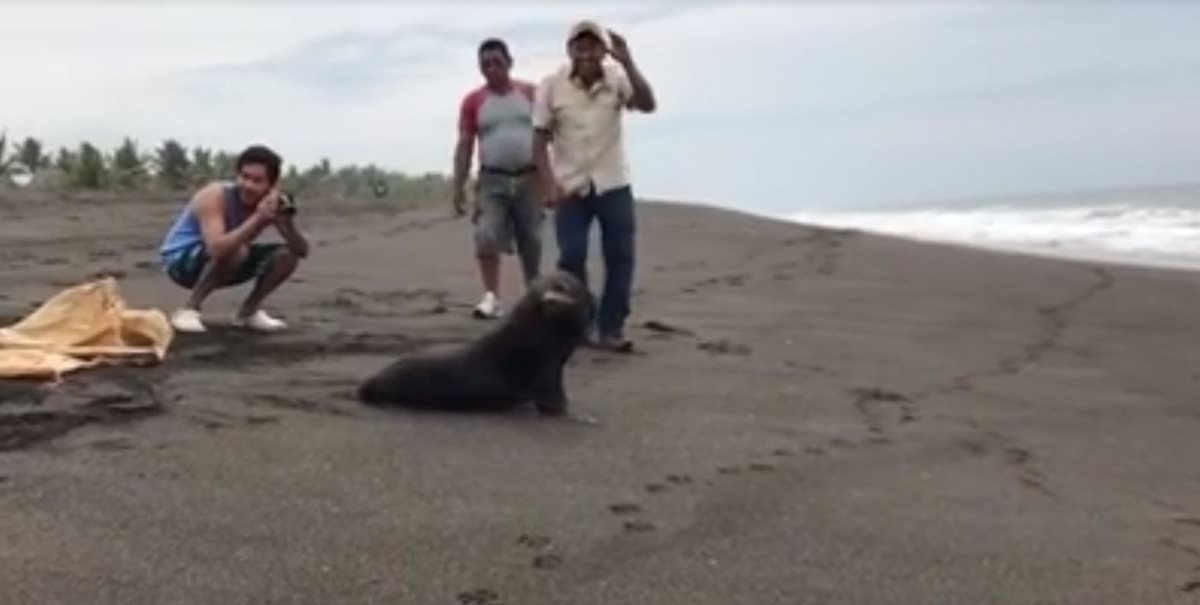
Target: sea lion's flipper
[{"x": 548, "y": 393}]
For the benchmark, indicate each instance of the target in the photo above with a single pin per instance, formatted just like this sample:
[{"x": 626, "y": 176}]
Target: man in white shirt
[{"x": 577, "y": 113}]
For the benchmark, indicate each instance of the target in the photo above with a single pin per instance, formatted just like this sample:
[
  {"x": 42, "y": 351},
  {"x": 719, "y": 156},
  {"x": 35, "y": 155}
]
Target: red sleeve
[{"x": 468, "y": 113}]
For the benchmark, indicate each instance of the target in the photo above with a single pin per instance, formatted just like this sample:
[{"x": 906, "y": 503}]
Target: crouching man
[{"x": 211, "y": 244}]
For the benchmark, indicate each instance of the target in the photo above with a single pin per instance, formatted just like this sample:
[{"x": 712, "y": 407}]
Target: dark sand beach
[{"x": 814, "y": 416}]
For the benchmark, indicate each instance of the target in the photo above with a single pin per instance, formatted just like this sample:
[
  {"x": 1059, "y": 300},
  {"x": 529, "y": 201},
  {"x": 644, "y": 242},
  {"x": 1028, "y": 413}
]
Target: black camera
[{"x": 287, "y": 203}]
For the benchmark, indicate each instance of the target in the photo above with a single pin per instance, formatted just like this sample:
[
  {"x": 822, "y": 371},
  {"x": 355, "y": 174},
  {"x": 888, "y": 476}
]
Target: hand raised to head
[{"x": 619, "y": 48}]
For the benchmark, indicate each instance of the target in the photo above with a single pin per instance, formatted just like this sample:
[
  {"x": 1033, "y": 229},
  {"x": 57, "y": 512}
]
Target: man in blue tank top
[{"x": 211, "y": 243}]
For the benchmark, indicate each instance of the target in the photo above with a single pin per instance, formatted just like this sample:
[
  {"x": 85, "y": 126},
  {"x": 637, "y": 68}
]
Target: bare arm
[
  {"x": 642, "y": 98},
  {"x": 541, "y": 160},
  {"x": 543, "y": 128},
  {"x": 463, "y": 150},
  {"x": 295, "y": 239},
  {"x": 218, "y": 243}
]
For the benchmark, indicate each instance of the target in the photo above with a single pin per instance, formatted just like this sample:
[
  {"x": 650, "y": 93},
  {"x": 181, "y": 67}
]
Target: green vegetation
[{"x": 173, "y": 167}]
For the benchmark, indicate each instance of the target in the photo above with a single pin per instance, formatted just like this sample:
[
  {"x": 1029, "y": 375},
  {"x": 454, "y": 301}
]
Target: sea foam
[{"x": 1128, "y": 233}]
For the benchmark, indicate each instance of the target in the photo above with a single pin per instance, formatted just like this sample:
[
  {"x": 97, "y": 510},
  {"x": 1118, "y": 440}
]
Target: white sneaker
[
  {"x": 260, "y": 322},
  {"x": 187, "y": 320},
  {"x": 488, "y": 307}
]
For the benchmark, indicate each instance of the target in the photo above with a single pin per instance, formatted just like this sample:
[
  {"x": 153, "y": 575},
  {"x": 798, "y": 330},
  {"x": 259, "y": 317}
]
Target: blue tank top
[{"x": 186, "y": 229}]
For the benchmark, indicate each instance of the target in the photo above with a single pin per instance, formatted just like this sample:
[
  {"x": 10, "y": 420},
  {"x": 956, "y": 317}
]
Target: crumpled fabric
[{"x": 81, "y": 327}]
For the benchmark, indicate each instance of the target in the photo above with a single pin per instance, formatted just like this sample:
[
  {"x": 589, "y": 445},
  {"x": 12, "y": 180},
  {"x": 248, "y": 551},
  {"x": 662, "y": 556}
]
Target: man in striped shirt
[{"x": 498, "y": 114}]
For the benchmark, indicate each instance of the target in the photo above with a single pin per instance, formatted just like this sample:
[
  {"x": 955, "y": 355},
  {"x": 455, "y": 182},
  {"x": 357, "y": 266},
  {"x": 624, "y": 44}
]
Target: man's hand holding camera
[
  {"x": 267, "y": 209},
  {"x": 279, "y": 208},
  {"x": 286, "y": 205}
]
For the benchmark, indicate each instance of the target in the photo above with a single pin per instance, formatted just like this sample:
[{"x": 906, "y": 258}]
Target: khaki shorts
[{"x": 507, "y": 212}]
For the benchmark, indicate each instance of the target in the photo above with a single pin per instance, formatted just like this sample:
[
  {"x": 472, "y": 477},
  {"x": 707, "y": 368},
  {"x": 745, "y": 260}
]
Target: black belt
[{"x": 508, "y": 171}]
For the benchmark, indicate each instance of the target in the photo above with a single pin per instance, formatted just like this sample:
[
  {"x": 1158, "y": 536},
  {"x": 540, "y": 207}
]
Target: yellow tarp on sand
[{"x": 83, "y": 326}]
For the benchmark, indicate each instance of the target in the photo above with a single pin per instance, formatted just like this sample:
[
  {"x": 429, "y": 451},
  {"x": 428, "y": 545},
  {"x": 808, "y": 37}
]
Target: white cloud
[{"x": 768, "y": 106}]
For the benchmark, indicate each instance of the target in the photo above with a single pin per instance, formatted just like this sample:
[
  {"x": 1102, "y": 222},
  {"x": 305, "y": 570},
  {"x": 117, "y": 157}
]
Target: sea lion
[{"x": 519, "y": 361}]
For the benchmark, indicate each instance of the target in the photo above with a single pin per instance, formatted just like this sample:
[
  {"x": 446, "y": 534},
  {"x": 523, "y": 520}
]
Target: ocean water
[{"x": 1149, "y": 229}]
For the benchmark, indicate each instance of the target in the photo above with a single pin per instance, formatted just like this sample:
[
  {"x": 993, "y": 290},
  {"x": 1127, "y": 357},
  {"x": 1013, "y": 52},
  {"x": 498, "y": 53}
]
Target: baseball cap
[{"x": 587, "y": 26}]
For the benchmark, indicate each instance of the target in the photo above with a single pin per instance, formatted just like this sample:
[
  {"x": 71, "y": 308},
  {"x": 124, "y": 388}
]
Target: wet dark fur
[{"x": 519, "y": 361}]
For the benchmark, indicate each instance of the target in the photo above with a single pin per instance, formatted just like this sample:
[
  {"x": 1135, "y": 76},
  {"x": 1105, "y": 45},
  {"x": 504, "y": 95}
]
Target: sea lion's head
[{"x": 562, "y": 297}]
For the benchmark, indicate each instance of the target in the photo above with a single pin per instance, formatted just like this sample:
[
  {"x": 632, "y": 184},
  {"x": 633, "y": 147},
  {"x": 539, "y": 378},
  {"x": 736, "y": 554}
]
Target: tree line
[{"x": 173, "y": 166}]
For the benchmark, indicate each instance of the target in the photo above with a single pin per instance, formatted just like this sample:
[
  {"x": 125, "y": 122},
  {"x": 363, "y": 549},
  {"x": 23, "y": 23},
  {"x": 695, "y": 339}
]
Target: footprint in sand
[
  {"x": 539, "y": 542},
  {"x": 479, "y": 596},
  {"x": 762, "y": 467},
  {"x": 1017, "y": 455},
  {"x": 661, "y": 327},
  {"x": 533, "y": 541},
  {"x": 1028, "y": 476},
  {"x": 735, "y": 281},
  {"x": 547, "y": 561},
  {"x": 624, "y": 508},
  {"x": 637, "y": 526},
  {"x": 877, "y": 394},
  {"x": 879, "y": 420},
  {"x": 811, "y": 368},
  {"x": 1191, "y": 586},
  {"x": 723, "y": 347},
  {"x": 680, "y": 479},
  {"x": 656, "y": 488}
]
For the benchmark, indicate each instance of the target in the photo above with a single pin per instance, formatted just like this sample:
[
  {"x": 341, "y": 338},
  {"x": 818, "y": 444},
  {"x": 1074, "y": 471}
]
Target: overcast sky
[{"x": 769, "y": 107}]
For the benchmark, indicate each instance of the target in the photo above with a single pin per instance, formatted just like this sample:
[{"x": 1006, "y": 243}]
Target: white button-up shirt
[{"x": 584, "y": 128}]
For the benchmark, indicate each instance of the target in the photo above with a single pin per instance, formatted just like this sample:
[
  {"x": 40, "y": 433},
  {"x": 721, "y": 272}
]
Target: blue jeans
[{"x": 613, "y": 210}]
